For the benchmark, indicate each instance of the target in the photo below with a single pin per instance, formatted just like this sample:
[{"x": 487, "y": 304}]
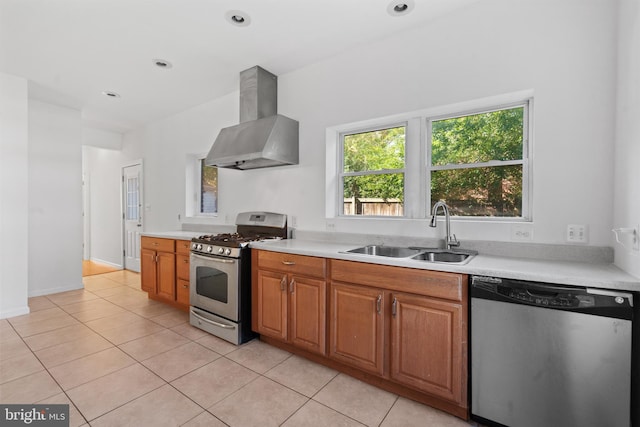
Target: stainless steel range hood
[{"x": 263, "y": 138}]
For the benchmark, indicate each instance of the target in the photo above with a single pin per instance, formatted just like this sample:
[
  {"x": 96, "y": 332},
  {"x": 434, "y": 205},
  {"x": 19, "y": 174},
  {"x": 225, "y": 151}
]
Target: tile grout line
[
  {"x": 166, "y": 382},
  {"x": 139, "y": 362}
]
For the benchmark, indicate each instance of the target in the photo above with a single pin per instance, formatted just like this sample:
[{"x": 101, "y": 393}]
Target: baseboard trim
[
  {"x": 5, "y": 314},
  {"x": 101, "y": 261},
  {"x": 41, "y": 292}
]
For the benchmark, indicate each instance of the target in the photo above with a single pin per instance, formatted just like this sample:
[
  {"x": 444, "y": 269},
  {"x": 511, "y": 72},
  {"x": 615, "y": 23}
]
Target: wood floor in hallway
[{"x": 90, "y": 268}]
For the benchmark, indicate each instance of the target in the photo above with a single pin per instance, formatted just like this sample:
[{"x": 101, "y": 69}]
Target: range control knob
[
  {"x": 220, "y": 251},
  {"x": 199, "y": 247},
  {"x": 194, "y": 246},
  {"x": 227, "y": 252},
  {"x": 209, "y": 249}
]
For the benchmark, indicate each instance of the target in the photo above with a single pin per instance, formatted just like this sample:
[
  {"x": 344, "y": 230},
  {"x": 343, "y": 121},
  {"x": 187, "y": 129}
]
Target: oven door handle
[
  {"x": 206, "y": 258},
  {"x": 220, "y": 325}
]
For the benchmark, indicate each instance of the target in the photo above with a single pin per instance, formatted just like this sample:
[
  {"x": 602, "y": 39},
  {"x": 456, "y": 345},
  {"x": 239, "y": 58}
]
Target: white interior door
[{"x": 132, "y": 215}]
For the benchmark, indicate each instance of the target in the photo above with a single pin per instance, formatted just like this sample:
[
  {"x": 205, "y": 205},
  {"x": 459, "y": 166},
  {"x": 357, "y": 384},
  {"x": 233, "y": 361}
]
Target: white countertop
[
  {"x": 598, "y": 275},
  {"x": 178, "y": 235}
]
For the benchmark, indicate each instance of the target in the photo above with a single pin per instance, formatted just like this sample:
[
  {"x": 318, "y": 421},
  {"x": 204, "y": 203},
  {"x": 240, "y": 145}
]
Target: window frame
[
  {"x": 526, "y": 104},
  {"x": 417, "y": 183},
  {"x": 194, "y": 188},
  {"x": 342, "y": 174}
]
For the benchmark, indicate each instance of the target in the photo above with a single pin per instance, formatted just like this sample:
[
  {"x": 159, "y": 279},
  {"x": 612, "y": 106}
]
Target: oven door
[{"x": 214, "y": 285}]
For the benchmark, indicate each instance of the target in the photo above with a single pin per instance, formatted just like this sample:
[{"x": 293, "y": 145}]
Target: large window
[
  {"x": 473, "y": 156},
  {"x": 208, "y": 193},
  {"x": 477, "y": 162},
  {"x": 372, "y": 177}
]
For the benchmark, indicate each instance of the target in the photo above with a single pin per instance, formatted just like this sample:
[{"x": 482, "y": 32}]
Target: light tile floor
[{"x": 119, "y": 359}]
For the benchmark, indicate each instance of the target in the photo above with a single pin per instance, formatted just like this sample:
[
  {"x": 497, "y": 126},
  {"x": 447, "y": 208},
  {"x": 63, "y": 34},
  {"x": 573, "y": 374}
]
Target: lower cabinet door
[
  {"x": 426, "y": 350},
  {"x": 272, "y": 304},
  {"x": 166, "y": 276},
  {"x": 357, "y": 326},
  {"x": 148, "y": 270},
  {"x": 308, "y": 313}
]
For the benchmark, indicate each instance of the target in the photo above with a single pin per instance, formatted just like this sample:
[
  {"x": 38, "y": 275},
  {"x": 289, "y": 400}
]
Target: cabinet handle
[
  {"x": 156, "y": 258},
  {"x": 289, "y": 262},
  {"x": 185, "y": 286},
  {"x": 379, "y": 304},
  {"x": 394, "y": 306},
  {"x": 291, "y": 285},
  {"x": 155, "y": 243},
  {"x": 283, "y": 283},
  {"x": 186, "y": 261}
]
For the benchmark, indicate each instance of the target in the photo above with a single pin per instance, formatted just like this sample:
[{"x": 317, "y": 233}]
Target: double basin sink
[{"x": 448, "y": 256}]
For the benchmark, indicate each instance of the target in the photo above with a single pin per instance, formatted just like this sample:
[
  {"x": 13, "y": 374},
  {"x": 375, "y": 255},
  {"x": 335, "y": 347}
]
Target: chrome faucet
[{"x": 450, "y": 241}]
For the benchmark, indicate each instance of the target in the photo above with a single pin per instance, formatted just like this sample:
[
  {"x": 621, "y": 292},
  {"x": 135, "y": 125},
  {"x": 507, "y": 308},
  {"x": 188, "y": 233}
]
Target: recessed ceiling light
[
  {"x": 162, "y": 63},
  {"x": 238, "y": 18},
  {"x": 111, "y": 94},
  {"x": 400, "y": 7}
]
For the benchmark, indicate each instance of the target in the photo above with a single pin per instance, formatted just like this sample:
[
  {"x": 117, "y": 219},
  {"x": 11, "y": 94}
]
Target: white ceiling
[{"x": 73, "y": 50}]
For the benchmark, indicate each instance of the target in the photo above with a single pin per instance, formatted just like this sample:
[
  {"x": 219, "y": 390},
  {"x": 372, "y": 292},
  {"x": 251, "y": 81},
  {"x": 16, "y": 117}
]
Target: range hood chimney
[{"x": 263, "y": 138}]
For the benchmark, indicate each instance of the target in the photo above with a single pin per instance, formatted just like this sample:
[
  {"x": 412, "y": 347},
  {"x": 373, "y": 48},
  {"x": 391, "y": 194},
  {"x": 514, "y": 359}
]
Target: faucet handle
[{"x": 453, "y": 241}]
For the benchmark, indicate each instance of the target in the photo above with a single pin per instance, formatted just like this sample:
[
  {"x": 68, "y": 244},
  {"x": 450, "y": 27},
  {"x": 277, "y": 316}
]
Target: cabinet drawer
[
  {"x": 422, "y": 282},
  {"x": 162, "y": 245},
  {"x": 183, "y": 247},
  {"x": 182, "y": 292},
  {"x": 182, "y": 266},
  {"x": 295, "y": 264}
]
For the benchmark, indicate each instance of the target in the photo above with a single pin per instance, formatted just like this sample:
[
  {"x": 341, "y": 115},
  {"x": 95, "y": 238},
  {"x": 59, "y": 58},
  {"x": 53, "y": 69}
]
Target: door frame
[
  {"x": 86, "y": 217},
  {"x": 123, "y": 204}
]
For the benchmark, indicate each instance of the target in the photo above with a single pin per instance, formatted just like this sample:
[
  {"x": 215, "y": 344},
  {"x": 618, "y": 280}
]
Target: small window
[
  {"x": 373, "y": 171},
  {"x": 478, "y": 162},
  {"x": 208, "y": 194},
  {"x": 133, "y": 196}
]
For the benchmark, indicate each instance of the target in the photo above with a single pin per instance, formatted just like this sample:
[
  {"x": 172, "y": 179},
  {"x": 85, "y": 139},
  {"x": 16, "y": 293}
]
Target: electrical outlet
[
  {"x": 330, "y": 225},
  {"x": 636, "y": 238},
  {"x": 521, "y": 233},
  {"x": 577, "y": 233}
]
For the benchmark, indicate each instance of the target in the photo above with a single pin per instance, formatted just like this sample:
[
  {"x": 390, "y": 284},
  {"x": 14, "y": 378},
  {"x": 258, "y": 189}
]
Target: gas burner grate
[{"x": 228, "y": 239}]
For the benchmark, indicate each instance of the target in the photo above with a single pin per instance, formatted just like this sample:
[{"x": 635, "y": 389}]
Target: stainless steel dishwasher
[{"x": 549, "y": 355}]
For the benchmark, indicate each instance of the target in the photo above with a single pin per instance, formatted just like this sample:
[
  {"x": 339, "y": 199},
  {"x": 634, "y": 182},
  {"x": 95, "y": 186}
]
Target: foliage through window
[
  {"x": 474, "y": 159},
  {"x": 477, "y": 162},
  {"x": 208, "y": 189},
  {"x": 372, "y": 177}
]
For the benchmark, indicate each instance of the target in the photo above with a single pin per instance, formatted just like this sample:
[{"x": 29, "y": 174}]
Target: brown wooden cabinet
[
  {"x": 289, "y": 299},
  {"x": 164, "y": 267},
  {"x": 407, "y": 325},
  {"x": 401, "y": 329},
  {"x": 427, "y": 347},
  {"x": 166, "y": 275},
  {"x": 148, "y": 278},
  {"x": 183, "y": 248},
  {"x": 357, "y": 326}
]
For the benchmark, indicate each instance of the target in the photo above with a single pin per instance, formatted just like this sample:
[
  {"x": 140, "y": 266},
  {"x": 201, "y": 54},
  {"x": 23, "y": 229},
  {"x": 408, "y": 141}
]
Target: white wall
[
  {"x": 165, "y": 146},
  {"x": 627, "y": 149},
  {"x": 103, "y": 170},
  {"x": 55, "y": 199},
  {"x": 563, "y": 51},
  {"x": 13, "y": 196},
  {"x": 101, "y": 138}
]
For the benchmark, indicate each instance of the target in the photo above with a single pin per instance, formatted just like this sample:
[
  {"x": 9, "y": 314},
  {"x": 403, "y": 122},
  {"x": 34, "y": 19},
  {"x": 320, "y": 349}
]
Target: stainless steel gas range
[{"x": 220, "y": 287}]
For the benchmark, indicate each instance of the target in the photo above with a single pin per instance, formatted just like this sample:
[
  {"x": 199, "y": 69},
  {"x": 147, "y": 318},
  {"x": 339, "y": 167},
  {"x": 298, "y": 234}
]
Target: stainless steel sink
[
  {"x": 450, "y": 256},
  {"x": 388, "y": 251}
]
